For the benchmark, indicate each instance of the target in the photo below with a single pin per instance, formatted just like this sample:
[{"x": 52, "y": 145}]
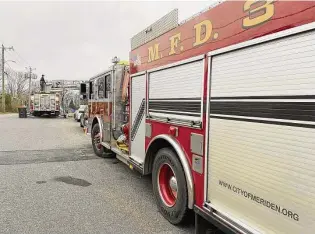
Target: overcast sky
[{"x": 76, "y": 40}]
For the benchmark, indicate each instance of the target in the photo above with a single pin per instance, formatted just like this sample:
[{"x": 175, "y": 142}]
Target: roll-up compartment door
[
  {"x": 52, "y": 102},
  {"x": 44, "y": 102},
  {"x": 36, "y": 102},
  {"x": 176, "y": 91},
  {"x": 261, "y": 152}
]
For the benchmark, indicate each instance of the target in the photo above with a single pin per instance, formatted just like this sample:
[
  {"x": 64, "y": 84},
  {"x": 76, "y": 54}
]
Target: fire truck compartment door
[
  {"x": 52, "y": 102},
  {"x": 36, "y": 102},
  {"x": 175, "y": 92},
  {"x": 138, "y": 109},
  {"x": 45, "y": 102},
  {"x": 261, "y": 151}
]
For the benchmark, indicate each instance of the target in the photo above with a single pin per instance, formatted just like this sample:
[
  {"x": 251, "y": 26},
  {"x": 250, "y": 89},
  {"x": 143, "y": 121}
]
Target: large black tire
[
  {"x": 99, "y": 150},
  {"x": 178, "y": 212}
]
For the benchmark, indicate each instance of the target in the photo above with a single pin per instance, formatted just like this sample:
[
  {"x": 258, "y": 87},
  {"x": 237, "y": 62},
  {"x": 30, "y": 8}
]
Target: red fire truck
[{"x": 221, "y": 113}]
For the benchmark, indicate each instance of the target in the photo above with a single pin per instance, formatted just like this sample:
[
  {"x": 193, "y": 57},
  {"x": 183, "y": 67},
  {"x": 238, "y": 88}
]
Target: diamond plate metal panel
[
  {"x": 214, "y": 4},
  {"x": 161, "y": 26}
]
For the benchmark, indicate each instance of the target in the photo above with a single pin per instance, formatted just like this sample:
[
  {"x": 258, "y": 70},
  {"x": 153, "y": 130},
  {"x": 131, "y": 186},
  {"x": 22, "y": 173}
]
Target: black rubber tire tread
[
  {"x": 103, "y": 152},
  {"x": 179, "y": 213}
]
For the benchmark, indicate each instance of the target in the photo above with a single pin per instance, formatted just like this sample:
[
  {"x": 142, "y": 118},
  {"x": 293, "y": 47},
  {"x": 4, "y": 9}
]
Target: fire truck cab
[
  {"x": 220, "y": 110},
  {"x": 107, "y": 110}
]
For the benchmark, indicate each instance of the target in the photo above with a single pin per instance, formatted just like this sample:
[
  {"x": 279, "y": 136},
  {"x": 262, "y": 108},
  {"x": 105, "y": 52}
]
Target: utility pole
[
  {"x": 29, "y": 85},
  {"x": 2, "y": 68}
]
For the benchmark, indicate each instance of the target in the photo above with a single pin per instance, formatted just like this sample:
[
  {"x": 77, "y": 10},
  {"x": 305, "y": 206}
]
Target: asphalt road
[{"x": 51, "y": 182}]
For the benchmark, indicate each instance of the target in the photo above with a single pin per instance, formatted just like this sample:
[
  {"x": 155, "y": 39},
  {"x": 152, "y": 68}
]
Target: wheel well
[
  {"x": 162, "y": 141},
  {"x": 151, "y": 153}
]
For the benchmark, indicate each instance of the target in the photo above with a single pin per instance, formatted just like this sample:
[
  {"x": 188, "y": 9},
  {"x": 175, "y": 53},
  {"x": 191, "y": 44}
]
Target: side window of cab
[
  {"x": 108, "y": 86},
  {"x": 95, "y": 89},
  {"x": 101, "y": 88},
  {"x": 91, "y": 90}
]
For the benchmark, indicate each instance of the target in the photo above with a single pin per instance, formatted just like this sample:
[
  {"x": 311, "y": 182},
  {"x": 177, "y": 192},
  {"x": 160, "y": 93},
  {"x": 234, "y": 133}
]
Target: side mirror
[
  {"x": 82, "y": 88},
  {"x": 83, "y": 93}
]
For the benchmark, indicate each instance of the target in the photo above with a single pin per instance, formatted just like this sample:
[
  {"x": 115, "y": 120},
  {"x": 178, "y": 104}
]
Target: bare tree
[
  {"x": 21, "y": 84},
  {"x": 16, "y": 82},
  {"x": 17, "y": 85},
  {"x": 11, "y": 82}
]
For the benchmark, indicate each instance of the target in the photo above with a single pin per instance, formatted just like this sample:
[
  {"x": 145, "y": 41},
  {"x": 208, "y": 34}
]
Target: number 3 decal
[{"x": 258, "y": 12}]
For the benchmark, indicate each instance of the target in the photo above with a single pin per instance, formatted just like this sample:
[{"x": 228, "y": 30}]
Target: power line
[
  {"x": 27, "y": 63},
  {"x": 18, "y": 54},
  {"x": 9, "y": 66},
  {"x": 8, "y": 75},
  {"x": 21, "y": 61}
]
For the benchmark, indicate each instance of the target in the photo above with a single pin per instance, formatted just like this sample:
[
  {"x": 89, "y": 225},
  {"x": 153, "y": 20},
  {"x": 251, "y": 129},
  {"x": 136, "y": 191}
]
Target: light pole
[
  {"x": 3, "y": 90},
  {"x": 2, "y": 68},
  {"x": 10, "y": 67},
  {"x": 29, "y": 86}
]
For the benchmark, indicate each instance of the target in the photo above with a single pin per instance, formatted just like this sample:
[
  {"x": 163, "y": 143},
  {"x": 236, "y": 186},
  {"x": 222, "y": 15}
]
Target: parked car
[
  {"x": 75, "y": 114},
  {"x": 70, "y": 114},
  {"x": 80, "y": 112}
]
